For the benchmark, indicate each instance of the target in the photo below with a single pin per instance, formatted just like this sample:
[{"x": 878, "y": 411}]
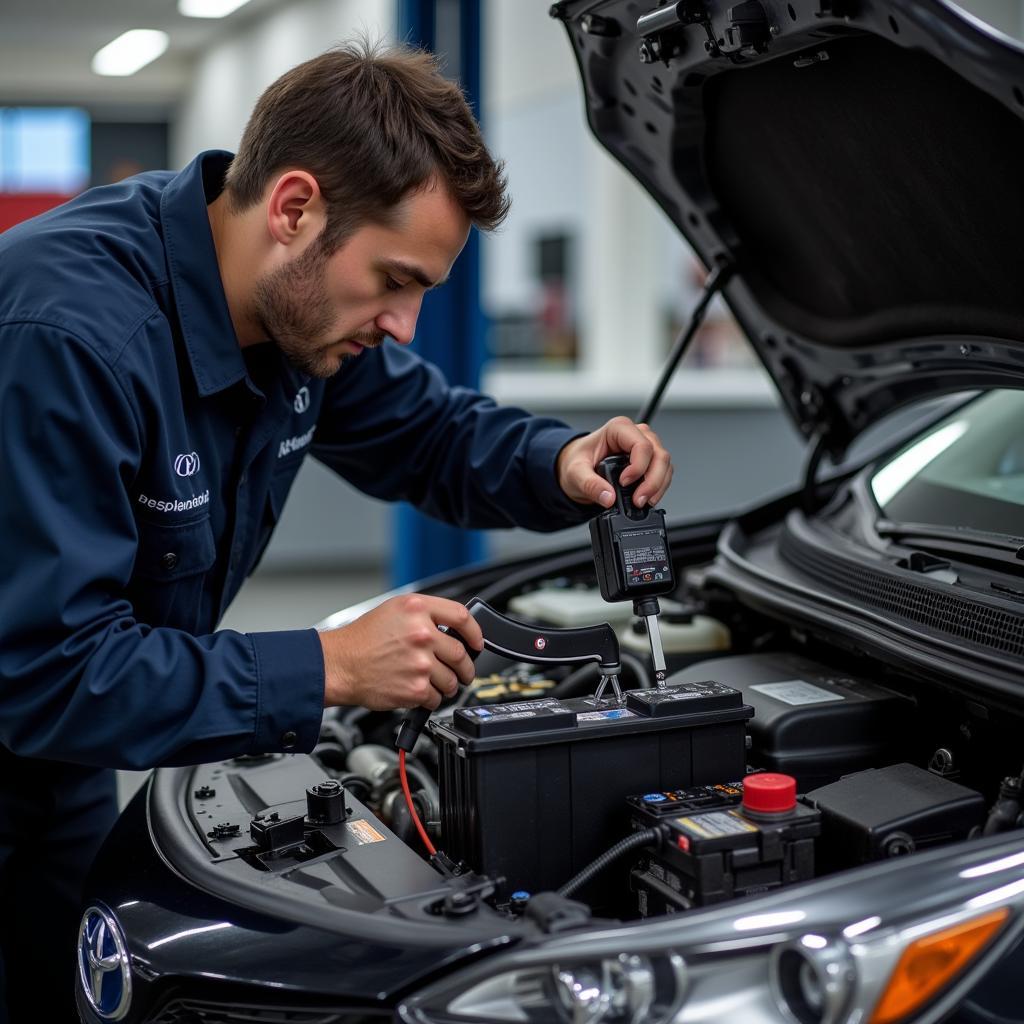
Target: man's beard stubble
[{"x": 291, "y": 306}]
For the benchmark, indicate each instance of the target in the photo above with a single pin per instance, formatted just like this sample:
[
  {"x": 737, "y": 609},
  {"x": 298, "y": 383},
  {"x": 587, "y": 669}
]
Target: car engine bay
[{"x": 772, "y": 754}]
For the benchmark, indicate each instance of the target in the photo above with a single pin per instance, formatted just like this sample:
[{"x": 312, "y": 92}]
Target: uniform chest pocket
[
  {"x": 280, "y": 486},
  {"x": 171, "y": 565}
]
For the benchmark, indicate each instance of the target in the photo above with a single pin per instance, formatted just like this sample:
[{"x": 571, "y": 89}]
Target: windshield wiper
[{"x": 955, "y": 540}]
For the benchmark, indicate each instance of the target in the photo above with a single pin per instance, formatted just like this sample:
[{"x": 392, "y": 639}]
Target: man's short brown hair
[{"x": 371, "y": 124}]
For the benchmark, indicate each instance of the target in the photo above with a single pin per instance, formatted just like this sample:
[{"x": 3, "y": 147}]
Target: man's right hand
[{"x": 395, "y": 656}]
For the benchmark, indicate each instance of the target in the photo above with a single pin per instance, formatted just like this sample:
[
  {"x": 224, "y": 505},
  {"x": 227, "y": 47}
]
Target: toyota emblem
[{"x": 104, "y": 971}]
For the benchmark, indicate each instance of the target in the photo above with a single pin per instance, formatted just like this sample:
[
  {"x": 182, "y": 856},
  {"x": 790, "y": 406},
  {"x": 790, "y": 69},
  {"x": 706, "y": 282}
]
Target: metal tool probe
[
  {"x": 606, "y": 678},
  {"x": 648, "y": 609}
]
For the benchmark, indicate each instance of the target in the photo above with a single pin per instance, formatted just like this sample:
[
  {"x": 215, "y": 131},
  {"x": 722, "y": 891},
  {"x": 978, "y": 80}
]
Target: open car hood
[{"x": 856, "y": 165}]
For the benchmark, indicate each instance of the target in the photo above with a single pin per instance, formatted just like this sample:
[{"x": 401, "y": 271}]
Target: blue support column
[{"x": 451, "y": 328}]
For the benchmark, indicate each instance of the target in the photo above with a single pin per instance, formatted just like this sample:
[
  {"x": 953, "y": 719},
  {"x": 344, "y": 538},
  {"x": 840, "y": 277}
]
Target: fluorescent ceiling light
[
  {"x": 209, "y": 8},
  {"x": 129, "y": 52}
]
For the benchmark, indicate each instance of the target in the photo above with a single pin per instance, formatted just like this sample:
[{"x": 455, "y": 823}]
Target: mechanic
[{"x": 171, "y": 347}]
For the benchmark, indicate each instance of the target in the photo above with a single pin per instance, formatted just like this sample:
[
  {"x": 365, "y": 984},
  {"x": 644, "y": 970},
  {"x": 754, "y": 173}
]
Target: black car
[{"x": 812, "y": 811}]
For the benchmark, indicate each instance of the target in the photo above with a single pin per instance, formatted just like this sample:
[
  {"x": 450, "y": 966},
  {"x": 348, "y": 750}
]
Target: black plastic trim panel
[
  {"x": 802, "y": 601},
  {"x": 178, "y": 844},
  {"x": 936, "y": 606}
]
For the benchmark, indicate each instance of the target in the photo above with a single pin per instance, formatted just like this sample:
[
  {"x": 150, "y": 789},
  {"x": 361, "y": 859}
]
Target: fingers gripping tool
[{"x": 535, "y": 645}]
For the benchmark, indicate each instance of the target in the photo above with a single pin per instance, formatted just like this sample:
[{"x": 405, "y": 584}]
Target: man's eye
[{"x": 391, "y": 284}]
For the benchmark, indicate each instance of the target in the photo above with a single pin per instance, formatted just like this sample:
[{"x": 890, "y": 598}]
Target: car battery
[
  {"x": 721, "y": 842},
  {"x": 534, "y": 791}
]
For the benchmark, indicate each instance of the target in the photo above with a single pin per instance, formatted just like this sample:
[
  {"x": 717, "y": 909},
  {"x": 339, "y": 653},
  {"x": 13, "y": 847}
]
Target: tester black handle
[
  {"x": 611, "y": 469},
  {"x": 521, "y": 642},
  {"x": 542, "y": 646},
  {"x": 412, "y": 725}
]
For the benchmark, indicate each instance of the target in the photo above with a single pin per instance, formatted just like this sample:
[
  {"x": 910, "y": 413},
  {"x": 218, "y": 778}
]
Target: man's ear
[{"x": 295, "y": 208}]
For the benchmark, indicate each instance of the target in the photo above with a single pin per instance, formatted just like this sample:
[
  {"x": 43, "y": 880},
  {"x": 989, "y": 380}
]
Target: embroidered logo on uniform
[
  {"x": 175, "y": 504},
  {"x": 301, "y": 403},
  {"x": 187, "y": 464},
  {"x": 293, "y": 444}
]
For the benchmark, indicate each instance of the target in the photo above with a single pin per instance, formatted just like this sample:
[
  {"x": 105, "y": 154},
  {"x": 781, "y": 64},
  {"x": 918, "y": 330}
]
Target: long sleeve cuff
[
  {"x": 542, "y": 460},
  {"x": 290, "y": 679}
]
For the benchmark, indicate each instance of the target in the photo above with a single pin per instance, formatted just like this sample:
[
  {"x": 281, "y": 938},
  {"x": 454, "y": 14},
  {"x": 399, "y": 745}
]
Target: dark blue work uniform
[{"x": 144, "y": 461}]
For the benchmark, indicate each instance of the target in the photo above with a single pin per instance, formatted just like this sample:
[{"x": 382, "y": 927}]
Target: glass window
[
  {"x": 44, "y": 149},
  {"x": 966, "y": 472}
]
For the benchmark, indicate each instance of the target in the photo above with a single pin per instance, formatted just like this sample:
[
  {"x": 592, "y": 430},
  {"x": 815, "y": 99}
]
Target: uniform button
[
  {"x": 169, "y": 561},
  {"x": 288, "y": 740}
]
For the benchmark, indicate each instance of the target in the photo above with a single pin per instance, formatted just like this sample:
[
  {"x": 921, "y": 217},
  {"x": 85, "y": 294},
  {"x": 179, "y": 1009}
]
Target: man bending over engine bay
[{"x": 171, "y": 348}]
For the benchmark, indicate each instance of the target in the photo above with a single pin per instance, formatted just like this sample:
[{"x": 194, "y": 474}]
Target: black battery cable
[{"x": 644, "y": 837}]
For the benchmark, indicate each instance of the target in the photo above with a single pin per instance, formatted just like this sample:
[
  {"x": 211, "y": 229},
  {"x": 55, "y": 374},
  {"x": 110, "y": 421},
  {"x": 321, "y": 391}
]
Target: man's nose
[{"x": 400, "y": 321}]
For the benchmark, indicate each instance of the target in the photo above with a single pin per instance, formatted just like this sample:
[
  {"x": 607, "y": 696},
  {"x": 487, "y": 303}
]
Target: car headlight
[
  {"x": 620, "y": 989},
  {"x": 894, "y": 943}
]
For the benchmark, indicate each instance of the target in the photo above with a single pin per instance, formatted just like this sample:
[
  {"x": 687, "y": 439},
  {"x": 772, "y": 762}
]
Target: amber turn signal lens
[{"x": 930, "y": 964}]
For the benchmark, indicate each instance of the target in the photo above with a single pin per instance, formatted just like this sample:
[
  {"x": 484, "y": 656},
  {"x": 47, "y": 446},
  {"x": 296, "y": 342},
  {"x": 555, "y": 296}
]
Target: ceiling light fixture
[
  {"x": 209, "y": 8},
  {"x": 129, "y": 52}
]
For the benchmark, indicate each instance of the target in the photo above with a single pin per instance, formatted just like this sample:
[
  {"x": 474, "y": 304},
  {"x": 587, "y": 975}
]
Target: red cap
[{"x": 769, "y": 792}]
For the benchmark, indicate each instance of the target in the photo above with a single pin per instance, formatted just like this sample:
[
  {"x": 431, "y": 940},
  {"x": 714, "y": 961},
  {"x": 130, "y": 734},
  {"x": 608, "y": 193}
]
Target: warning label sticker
[
  {"x": 716, "y": 823},
  {"x": 362, "y": 832},
  {"x": 595, "y": 716},
  {"x": 797, "y": 691}
]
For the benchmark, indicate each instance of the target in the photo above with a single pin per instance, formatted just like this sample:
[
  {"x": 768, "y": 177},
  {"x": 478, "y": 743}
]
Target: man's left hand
[{"x": 647, "y": 458}]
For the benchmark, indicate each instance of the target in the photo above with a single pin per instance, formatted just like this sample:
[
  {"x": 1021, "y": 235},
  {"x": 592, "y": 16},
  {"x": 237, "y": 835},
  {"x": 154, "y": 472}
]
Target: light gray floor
[
  {"x": 283, "y": 600},
  {"x": 291, "y": 600}
]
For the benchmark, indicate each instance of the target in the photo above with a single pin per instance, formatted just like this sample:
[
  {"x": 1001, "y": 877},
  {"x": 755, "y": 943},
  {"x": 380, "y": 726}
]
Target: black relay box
[
  {"x": 674, "y": 802},
  {"x": 714, "y": 849},
  {"x": 891, "y": 811},
  {"x": 534, "y": 791}
]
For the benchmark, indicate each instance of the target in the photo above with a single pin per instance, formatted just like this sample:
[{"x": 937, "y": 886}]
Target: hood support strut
[{"x": 716, "y": 281}]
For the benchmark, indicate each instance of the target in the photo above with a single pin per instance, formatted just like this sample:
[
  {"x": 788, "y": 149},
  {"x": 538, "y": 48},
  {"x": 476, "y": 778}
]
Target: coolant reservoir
[
  {"x": 685, "y": 638},
  {"x": 567, "y": 607}
]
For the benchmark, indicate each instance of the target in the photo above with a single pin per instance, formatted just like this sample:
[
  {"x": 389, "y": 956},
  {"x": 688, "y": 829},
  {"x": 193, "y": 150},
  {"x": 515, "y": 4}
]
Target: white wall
[
  {"x": 229, "y": 77},
  {"x": 562, "y": 180}
]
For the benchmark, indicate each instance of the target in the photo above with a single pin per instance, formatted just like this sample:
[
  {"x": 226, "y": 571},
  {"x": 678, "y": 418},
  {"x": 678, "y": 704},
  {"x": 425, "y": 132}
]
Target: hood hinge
[
  {"x": 823, "y": 441},
  {"x": 817, "y": 450},
  {"x": 747, "y": 31}
]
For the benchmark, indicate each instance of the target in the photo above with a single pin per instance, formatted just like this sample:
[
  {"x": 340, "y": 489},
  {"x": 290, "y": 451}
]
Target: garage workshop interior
[{"x": 749, "y": 753}]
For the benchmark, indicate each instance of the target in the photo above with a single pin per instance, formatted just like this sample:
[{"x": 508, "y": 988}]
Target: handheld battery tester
[{"x": 631, "y": 555}]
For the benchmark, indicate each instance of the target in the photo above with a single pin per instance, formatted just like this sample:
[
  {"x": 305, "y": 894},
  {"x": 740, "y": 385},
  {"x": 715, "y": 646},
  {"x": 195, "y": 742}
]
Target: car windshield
[{"x": 967, "y": 471}]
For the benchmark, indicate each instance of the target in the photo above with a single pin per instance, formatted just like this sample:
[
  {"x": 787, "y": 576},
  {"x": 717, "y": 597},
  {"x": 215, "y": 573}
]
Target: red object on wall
[{"x": 18, "y": 206}]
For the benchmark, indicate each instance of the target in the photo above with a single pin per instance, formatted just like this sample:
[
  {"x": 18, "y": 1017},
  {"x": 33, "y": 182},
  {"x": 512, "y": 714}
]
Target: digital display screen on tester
[{"x": 644, "y": 558}]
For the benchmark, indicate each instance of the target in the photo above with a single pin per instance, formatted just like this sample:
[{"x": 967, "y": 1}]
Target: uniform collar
[{"x": 203, "y": 314}]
